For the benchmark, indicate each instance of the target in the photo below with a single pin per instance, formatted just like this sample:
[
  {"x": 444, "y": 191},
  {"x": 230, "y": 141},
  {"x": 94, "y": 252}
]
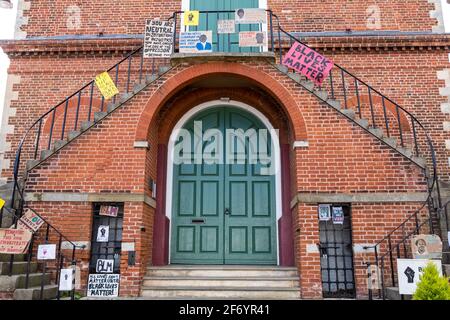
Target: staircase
[
  {"x": 15, "y": 286},
  {"x": 221, "y": 282}
]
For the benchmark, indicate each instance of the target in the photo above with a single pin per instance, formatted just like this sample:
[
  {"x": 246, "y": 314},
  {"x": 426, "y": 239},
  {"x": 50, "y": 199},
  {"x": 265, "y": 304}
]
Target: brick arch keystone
[{"x": 199, "y": 71}]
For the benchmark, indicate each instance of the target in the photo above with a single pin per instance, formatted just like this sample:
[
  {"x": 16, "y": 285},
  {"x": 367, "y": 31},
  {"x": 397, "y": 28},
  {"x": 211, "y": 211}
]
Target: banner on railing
[
  {"x": 196, "y": 42},
  {"x": 308, "y": 62},
  {"x": 106, "y": 86},
  {"x": 250, "y": 16},
  {"x": 158, "y": 39},
  {"x": 226, "y": 26},
  {"x": 67, "y": 279},
  {"x": 409, "y": 272},
  {"x": 14, "y": 241},
  {"x": 252, "y": 39},
  {"x": 30, "y": 221},
  {"x": 46, "y": 252}
]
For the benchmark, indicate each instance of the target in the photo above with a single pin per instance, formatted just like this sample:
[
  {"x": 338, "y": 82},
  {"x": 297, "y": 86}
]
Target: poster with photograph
[
  {"x": 338, "y": 215},
  {"x": 250, "y": 16},
  {"x": 103, "y": 234},
  {"x": 252, "y": 39},
  {"x": 196, "y": 42},
  {"x": 324, "y": 212}
]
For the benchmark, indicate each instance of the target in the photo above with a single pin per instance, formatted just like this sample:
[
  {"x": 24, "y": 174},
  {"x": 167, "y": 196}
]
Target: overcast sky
[{"x": 7, "y": 22}]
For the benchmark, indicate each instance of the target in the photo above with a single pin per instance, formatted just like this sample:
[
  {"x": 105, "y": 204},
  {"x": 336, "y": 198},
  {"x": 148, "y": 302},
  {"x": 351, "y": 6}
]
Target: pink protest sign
[{"x": 308, "y": 62}]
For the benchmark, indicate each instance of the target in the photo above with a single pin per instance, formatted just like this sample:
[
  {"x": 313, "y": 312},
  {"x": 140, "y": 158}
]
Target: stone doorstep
[{"x": 50, "y": 292}]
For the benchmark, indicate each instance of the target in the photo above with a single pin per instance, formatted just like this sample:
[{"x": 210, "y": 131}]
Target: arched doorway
[{"x": 224, "y": 198}]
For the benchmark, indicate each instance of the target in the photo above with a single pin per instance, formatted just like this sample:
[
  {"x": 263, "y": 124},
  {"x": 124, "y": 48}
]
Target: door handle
[{"x": 227, "y": 212}]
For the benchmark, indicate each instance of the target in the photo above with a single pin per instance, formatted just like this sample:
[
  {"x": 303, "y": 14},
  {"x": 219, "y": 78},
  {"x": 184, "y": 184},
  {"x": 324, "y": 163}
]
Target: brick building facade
[{"x": 327, "y": 155}]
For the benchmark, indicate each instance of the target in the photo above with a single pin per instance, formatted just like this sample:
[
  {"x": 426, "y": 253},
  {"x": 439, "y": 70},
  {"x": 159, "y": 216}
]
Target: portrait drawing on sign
[{"x": 203, "y": 44}]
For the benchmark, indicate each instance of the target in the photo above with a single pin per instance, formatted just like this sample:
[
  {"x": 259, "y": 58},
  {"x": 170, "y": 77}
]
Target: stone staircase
[
  {"x": 221, "y": 282},
  {"x": 14, "y": 286}
]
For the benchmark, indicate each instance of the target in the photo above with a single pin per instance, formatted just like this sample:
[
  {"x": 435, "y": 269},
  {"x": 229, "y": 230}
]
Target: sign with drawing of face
[
  {"x": 103, "y": 234},
  {"x": 252, "y": 39},
  {"x": 324, "y": 212},
  {"x": 105, "y": 266},
  {"x": 426, "y": 246},
  {"x": 250, "y": 16},
  {"x": 196, "y": 42}
]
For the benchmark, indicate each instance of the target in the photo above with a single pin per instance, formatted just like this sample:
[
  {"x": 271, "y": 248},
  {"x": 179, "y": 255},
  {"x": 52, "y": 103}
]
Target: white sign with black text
[
  {"x": 105, "y": 266},
  {"x": 103, "y": 285},
  {"x": 409, "y": 271},
  {"x": 158, "y": 39}
]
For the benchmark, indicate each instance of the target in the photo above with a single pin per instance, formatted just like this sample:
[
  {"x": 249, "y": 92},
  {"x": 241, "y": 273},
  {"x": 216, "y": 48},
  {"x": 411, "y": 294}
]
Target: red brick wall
[{"x": 48, "y": 18}]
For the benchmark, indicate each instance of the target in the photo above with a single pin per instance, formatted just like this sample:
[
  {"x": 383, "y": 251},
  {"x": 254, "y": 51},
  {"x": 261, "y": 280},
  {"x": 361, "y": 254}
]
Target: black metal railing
[{"x": 385, "y": 118}]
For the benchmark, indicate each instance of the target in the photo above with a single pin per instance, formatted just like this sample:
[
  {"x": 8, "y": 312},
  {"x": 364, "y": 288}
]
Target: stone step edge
[
  {"x": 236, "y": 289},
  {"x": 222, "y": 267},
  {"x": 31, "y": 164},
  {"x": 218, "y": 278}
]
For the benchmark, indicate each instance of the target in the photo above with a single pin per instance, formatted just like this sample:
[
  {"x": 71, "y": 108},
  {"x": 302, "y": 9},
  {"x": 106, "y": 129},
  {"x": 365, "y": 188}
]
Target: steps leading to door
[{"x": 221, "y": 282}]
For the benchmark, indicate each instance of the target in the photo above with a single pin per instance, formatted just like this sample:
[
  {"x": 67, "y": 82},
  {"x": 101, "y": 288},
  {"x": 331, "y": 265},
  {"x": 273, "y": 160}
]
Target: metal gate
[{"x": 336, "y": 251}]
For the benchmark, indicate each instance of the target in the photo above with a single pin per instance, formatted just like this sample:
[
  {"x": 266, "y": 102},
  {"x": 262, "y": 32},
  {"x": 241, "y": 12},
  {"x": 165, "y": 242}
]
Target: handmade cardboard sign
[
  {"x": 14, "y": 241},
  {"x": 226, "y": 26},
  {"x": 409, "y": 272},
  {"x": 308, "y": 62},
  {"x": 109, "y": 211},
  {"x": 2, "y": 203},
  {"x": 250, "y": 16},
  {"x": 252, "y": 39},
  {"x": 426, "y": 246},
  {"x": 103, "y": 234},
  {"x": 105, "y": 266},
  {"x": 103, "y": 285},
  {"x": 30, "y": 221},
  {"x": 338, "y": 215},
  {"x": 324, "y": 212},
  {"x": 67, "y": 279},
  {"x": 106, "y": 86},
  {"x": 196, "y": 42},
  {"x": 191, "y": 18},
  {"x": 158, "y": 39},
  {"x": 46, "y": 252}
]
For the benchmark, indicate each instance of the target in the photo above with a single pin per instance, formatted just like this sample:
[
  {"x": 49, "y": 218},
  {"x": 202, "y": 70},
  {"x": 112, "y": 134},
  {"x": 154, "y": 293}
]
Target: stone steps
[
  {"x": 17, "y": 268},
  {"x": 8, "y": 283},
  {"x": 221, "y": 282},
  {"x": 50, "y": 292},
  {"x": 392, "y": 293}
]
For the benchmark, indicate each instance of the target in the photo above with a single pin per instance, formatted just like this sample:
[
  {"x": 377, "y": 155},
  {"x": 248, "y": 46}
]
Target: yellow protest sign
[
  {"x": 2, "y": 203},
  {"x": 191, "y": 18},
  {"x": 106, "y": 85}
]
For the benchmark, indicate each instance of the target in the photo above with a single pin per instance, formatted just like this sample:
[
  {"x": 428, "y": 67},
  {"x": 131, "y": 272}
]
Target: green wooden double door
[
  {"x": 208, "y": 21},
  {"x": 223, "y": 212}
]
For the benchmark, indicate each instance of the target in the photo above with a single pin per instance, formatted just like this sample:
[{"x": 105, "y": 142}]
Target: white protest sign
[
  {"x": 226, "y": 26},
  {"x": 103, "y": 285},
  {"x": 250, "y": 16},
  {"x": 103, "y": 234},
  {"x": 46, "y": 252},
  {"x": 67, "y": 279},
  {"x": 196, "y": 42},
  {"x": 409, "y": 271},
  {"x": 158, "y": 39},
  {"x": 324, "y": 212},
  {"x": 105, "y": 266}
]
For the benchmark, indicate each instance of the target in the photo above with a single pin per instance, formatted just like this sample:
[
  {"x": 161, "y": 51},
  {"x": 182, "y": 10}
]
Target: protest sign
[
  {"x": 106, "y": 86},
  {"x": 67, "y": 279},
  {"x": 409, "y": 271},
  {"x": 158, "y": 39},
  {"x": 14, "y": 241},
  {"x": 252, "y": 39},
  {"x": 308, "y": 62},
  {"x": 250, "y": 16},
  {"x": 196, "y": 42},
  {"x": 426, "y": 246},
  {"x": 104, "y": 266},
  {"x": 324, "y": 212},
  {"x": 46, "y": 252},
  {"x": 30, "y": 221},
  {"x": 338, "y": 215},
  {"x": 109, "y": 211},
  {"x": 103, "y": 234},
  {"x": 191, "y": 18},
  {"x": 226, "y": 26},
  {"x": 103, "y": 285}
]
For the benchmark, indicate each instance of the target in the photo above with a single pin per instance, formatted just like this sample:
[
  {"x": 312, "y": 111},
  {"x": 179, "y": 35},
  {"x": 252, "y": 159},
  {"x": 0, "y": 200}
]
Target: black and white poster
[
  {"x": 103, "y": 285},
  {"x": 105, "y": 266},
  {"x": 338, "y": 215},
  {"x": 103, "y": 234},
  {"x": 158, "y": 39},
  {"x": 324, "y": 212},
  {"x": 67, "y": 279}
]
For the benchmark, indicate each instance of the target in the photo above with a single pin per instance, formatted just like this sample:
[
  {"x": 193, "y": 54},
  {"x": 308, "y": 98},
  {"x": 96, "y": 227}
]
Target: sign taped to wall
[
  {"x": 106, "y": 86},
  {"x": 14, "y": 241},
  {"x": 30, "y": 221},
  {"x": 252, "y": 39},
  {"x": 196, "y": 42},
  {"x": 308, "y": 62},
  {"x": 158, "y": 39},
  {"x": 103, "y": 285},
  {"x": 250, "y": 16}
]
